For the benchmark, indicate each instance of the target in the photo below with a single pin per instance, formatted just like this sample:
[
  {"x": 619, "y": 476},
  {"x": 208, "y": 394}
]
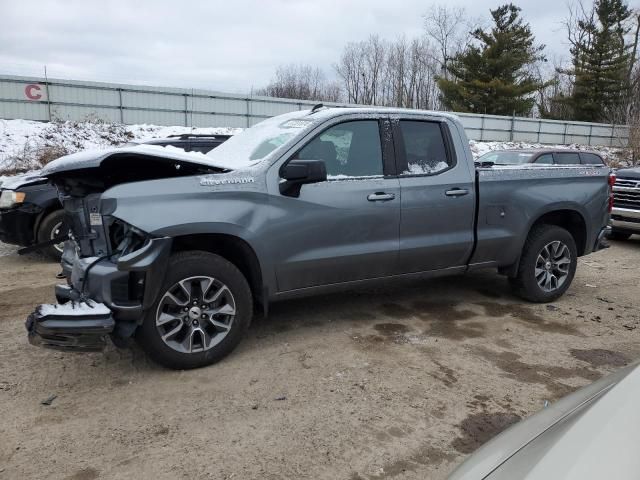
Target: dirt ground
[{"x": 397, "y": 382}]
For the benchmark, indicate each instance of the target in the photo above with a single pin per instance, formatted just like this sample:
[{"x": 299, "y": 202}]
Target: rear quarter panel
[{"x": 511, "y": 200}]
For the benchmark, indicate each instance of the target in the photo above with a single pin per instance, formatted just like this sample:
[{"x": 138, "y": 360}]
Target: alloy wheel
[
  {"x": 552, "y": 266},
  {"x": 195, "y": 314}
]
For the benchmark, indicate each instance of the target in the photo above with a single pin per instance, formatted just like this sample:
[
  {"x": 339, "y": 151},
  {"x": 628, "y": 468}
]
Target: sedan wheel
[{"x": 55, "y": 233}]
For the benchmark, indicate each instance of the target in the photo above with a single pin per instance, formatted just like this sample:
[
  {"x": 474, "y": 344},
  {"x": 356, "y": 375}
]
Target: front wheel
[
  {"x": 202, "y": 312},
  {"x": 547, "y": 265},
  {"x": 52, "y": 227}
]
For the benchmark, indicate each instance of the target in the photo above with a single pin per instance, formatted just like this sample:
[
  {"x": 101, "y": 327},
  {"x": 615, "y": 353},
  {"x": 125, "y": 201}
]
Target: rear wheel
[
  {"x": 52, "y": 227},
  {"x": 618, "y": 235},
  {"x": 547, "y": 265},
  {"x": 202, "y": 312}
]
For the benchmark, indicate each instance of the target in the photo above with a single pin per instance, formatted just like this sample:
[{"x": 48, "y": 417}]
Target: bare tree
[
  {"x": 401, "y": 73},
  {"x": 447, "y": 27},
  {"x": 633, "y": 118},
  {"x": 303, "y": 82}
]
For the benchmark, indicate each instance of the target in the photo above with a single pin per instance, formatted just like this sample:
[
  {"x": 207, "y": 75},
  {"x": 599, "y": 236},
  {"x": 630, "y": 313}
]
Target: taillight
[{"x": 612, "y": 182}]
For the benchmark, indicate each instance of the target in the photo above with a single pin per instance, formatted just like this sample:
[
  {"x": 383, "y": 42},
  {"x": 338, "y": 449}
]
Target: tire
[
  {"x": 49, "y": 228},
  {"x": 197, "y": 341},
  {"x": 618, "y": 235},
  {"x": 531, "y": 270}
]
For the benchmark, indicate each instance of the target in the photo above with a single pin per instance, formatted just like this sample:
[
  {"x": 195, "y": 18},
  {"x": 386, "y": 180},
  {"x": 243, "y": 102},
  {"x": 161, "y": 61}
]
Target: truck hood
[
  {"x": 628, "y": 173},
  {"x": 592, "y": 433},
  {"x": 95, "y": 171},
  {"x": 94, "y": 158}
]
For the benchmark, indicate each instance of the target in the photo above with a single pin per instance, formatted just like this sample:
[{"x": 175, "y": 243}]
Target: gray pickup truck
[{"x": 177, "y": 250}]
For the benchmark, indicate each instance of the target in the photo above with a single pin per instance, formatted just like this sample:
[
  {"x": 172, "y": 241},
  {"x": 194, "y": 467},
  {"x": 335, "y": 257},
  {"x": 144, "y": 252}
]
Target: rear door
[
  {"x": 346, "y": 228},
  {"x": 438, "y": 197}
]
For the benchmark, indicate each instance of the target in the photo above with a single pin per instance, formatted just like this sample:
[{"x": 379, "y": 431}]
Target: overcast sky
[{"x": 231, "y": 45}]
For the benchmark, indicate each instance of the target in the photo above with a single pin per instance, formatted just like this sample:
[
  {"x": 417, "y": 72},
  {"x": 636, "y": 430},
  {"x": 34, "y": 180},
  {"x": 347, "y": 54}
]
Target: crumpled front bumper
[
  {"x": 104, "y": 298},
  {"x": 72, "y": 326}
]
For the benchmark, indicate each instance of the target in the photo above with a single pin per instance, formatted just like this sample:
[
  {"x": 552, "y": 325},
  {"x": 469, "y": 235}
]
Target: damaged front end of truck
[{"x": 114, "y": 270}]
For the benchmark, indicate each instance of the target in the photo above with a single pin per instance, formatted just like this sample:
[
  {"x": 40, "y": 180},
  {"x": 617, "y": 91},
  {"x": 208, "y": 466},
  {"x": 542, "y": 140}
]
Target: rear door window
[
  {"x": 591, "y": 159},
  {"x": 567, "y": 158},
  {"x": 425, "y": 148}
]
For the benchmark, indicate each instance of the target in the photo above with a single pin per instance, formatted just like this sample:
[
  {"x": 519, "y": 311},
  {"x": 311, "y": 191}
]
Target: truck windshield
[
  {"x": 506, "y": 157},
  {"x": 256, "y": 143}
]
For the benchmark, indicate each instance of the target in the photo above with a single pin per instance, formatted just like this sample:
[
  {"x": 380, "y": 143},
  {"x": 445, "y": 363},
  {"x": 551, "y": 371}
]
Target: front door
[{"x": 346, "y": 228}]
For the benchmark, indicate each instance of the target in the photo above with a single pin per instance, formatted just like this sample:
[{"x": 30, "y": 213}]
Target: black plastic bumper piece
[
  {"x": 16, "y": 226},
  {"x": 77, "y": 326},
  {"x": 152, "y": 259},
  {"x": 601, "y": 241}
]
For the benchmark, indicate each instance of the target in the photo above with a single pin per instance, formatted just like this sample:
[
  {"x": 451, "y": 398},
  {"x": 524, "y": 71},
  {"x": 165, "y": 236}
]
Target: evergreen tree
[
  {"x": 494, "y": 74},
  {"x": 601, "y": 64}
]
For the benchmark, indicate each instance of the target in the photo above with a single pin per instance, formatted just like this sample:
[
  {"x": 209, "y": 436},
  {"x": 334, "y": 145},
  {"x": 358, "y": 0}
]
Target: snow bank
[{"x": 26, "y": 144}]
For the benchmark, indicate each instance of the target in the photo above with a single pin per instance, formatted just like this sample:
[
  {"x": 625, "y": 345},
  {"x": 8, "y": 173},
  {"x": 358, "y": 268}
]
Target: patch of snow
[
  {"x": 264, "y": 139},
  {"x": 342, "y": 176},
  {"x": 423, "y": 169},
  {"x": 144, "y": 132},
  {"x": 23, "y": 142},
  {"x": 17, "y": 181},
  {"x": 74, "y": 309}
]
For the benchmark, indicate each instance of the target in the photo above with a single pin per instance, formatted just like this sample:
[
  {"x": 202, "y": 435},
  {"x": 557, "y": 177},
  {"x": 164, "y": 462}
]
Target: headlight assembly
[
  {"x": 9, "y": 198},
  {"x": 125, "y": 238}
]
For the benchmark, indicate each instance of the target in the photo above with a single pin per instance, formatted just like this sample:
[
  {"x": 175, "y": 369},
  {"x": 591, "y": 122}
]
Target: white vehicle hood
[{"x": 593, "y": 433}]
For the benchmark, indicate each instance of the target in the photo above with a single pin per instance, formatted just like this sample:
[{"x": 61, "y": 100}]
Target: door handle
[
  {"x": 456, "y": 192},
  {"x": 381, "y": 197}
]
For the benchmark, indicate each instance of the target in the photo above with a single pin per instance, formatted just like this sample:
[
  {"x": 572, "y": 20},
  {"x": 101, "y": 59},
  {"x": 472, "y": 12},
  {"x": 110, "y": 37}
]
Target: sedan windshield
[
  {"x": 506, "y": 157},
  {"x": 256, "y": 143}
]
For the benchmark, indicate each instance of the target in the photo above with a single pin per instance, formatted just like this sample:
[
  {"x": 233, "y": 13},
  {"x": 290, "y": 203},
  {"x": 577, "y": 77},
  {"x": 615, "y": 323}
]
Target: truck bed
[{"x": 510, "y": 198}]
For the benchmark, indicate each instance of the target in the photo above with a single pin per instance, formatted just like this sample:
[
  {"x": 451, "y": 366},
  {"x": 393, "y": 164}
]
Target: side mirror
[{"x": 299, "y": 172}]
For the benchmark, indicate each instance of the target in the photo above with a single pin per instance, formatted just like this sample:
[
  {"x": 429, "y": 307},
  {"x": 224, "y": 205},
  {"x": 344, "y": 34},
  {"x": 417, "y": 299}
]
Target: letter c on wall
[{"x": 32, "y": 92}]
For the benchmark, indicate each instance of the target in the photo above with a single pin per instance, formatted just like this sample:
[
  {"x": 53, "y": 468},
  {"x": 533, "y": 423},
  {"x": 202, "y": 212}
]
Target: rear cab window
[{"x": 423, "y": 148}]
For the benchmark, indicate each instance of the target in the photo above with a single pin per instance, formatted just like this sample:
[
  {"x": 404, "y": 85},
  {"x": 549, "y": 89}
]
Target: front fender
[{"x": 184, "y": 206}]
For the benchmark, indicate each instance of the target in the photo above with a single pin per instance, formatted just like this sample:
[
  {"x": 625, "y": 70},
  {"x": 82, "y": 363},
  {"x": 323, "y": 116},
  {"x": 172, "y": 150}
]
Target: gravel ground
[{"x": 396, "y": 382}]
